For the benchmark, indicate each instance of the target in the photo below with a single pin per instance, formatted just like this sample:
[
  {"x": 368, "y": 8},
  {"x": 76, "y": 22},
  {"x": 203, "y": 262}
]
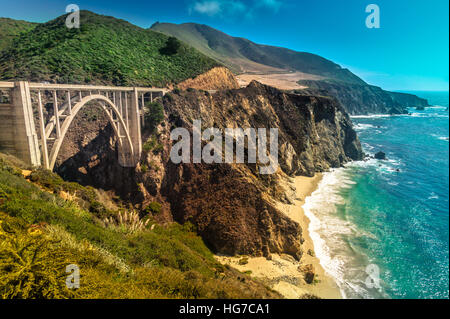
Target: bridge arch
[{"x": 125, "y": 144}]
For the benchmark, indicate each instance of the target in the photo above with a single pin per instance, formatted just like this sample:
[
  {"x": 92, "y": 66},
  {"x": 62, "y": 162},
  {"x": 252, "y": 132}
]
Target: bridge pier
[{"x": 25, "y": 139}]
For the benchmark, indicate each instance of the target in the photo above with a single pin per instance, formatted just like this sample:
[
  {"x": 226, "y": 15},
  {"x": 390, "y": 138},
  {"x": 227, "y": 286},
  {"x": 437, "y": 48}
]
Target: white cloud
[
  {"x": 209, "y": 8},
  {"x": 232, "y": 8},
  {"x": 270, "y": 4}
]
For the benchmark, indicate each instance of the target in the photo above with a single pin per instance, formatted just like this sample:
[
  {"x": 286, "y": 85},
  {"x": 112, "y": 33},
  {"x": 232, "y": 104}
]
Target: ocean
[{"x": 381, "y": 228}]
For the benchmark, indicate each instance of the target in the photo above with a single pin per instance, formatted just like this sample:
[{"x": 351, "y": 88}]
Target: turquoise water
[{"x": 392, "y": 215}]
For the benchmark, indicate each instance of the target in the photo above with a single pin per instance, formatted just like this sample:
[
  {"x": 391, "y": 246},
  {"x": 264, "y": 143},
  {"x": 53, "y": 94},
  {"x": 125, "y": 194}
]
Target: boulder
[
  {"x": 380, "y": 155},
  {"x": 308, "y": 273}
]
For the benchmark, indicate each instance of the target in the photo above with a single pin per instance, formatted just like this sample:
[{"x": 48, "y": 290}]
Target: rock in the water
[{"x": 380, "y": 155}]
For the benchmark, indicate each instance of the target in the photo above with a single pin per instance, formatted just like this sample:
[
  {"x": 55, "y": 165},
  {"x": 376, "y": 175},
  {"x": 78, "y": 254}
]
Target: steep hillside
[
  {"x": 47, "y": 224},
  {"x": 9, "y": 29},
  {"x": 242, "y": 55},
  {"x": 363, "y": 99},
  {"x": 103, "y": 50}
]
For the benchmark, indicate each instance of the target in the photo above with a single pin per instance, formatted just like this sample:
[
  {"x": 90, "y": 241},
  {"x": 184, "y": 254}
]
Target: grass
[
  {"x": 103, "y": 50},
  {"x": 48, "y": 233}
]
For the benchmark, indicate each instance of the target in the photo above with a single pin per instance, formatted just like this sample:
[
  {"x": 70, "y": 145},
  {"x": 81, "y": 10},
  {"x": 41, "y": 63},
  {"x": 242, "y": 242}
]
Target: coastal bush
[
  {"x": 29, "y": 266},
  {"x": 86, "y": 196},
  {"x": 153, "y": 208},
  {"x": 243, "y": 261},
  {"x": 127, "y": 222},
  {"x": 172, "y": 47},
  {"x": 154, "y": 115}
]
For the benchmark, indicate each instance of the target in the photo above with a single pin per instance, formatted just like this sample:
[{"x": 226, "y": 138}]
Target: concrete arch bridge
[{"x": 36, "y": 139}]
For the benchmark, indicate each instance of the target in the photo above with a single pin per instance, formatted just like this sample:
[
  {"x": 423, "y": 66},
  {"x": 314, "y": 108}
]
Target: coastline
[{"x": 282, "y": 273}]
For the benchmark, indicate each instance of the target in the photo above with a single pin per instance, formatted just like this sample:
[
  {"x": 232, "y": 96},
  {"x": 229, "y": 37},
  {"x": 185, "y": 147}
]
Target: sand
[{"x": 282, "y": 272}]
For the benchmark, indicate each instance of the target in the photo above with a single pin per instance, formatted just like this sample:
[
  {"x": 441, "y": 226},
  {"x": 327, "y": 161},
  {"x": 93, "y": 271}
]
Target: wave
[
  {"x": 427, "y": 114},
  {"x": 442, "y": 138},
  {"x": 362, "y": 126},
  {"x": 372, "y": 116},
  {"x": 330, "y": 231},
  {"x": 431, "y": 111},
  {"x": 327, "y": 231}
]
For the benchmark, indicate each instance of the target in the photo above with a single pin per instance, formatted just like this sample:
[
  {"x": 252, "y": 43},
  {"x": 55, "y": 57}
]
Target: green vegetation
[
  {"x": 153, "y": 208},
  {"x": 84, "y": 196},
  {"x": 9, "y": 29},
  {"x": 41, "y": 233},
  {"x": 103, "y": 50},
  {"x": 243, "y": 261},
  {"x": 153, "y": 116},
  {"x": 172, "y": 47},
  {"x": 152, "y": 144}
]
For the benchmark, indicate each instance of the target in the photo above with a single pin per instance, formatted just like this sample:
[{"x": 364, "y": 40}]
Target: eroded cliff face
[
  {"x": 218, "y": 78},
  {"x": 363, "y": 99},
  {"x": 233, "y": 206}
]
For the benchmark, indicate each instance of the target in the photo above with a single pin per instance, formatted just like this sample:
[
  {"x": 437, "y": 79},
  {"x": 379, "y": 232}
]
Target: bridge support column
[
  {"x": 26, "y": 143},
  {"x": 128, "y": 158}
]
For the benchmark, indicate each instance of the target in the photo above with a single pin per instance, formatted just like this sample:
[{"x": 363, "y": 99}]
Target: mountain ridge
[
  {"x": 227, "y": 48},
  {"x": 321, "y": 75}
]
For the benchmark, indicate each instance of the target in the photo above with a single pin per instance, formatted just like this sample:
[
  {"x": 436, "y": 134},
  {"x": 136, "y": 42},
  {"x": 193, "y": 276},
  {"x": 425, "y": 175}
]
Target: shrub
[
  {"x": 149, "y": 145},
  {"x": 153, "y": 208},
  {"x": 168, "y": 97},
  {"x": 30, "y": 267},
  {"x": 126, "y": 222},
  {"x": 154, "y": 115},
  {"x": 243, "y": 261},
  {"x": 172, "y": 46},
  {"x": 158, "y": 149}
]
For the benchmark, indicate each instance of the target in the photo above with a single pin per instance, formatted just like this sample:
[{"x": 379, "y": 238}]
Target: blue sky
[{"x": 410, "y": 50}]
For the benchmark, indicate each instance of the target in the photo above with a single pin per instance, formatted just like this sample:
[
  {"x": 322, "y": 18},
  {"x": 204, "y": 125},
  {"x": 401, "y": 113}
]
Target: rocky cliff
[
  {"x": 231, "y": 205},
  {"x": 363, "y": 99},
  {"x": 218, "y": 78}
]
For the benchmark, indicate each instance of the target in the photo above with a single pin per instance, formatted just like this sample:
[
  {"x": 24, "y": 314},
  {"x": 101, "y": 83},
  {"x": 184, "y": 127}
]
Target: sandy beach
[{"x": 283, "y": 273}]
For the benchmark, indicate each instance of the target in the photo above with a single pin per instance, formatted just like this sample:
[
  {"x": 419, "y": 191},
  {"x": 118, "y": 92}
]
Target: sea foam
[{"x": 327, "y": 230}]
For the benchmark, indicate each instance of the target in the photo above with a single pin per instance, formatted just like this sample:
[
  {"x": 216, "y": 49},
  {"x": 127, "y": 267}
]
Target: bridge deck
[{"x": 80, "y": 87}]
